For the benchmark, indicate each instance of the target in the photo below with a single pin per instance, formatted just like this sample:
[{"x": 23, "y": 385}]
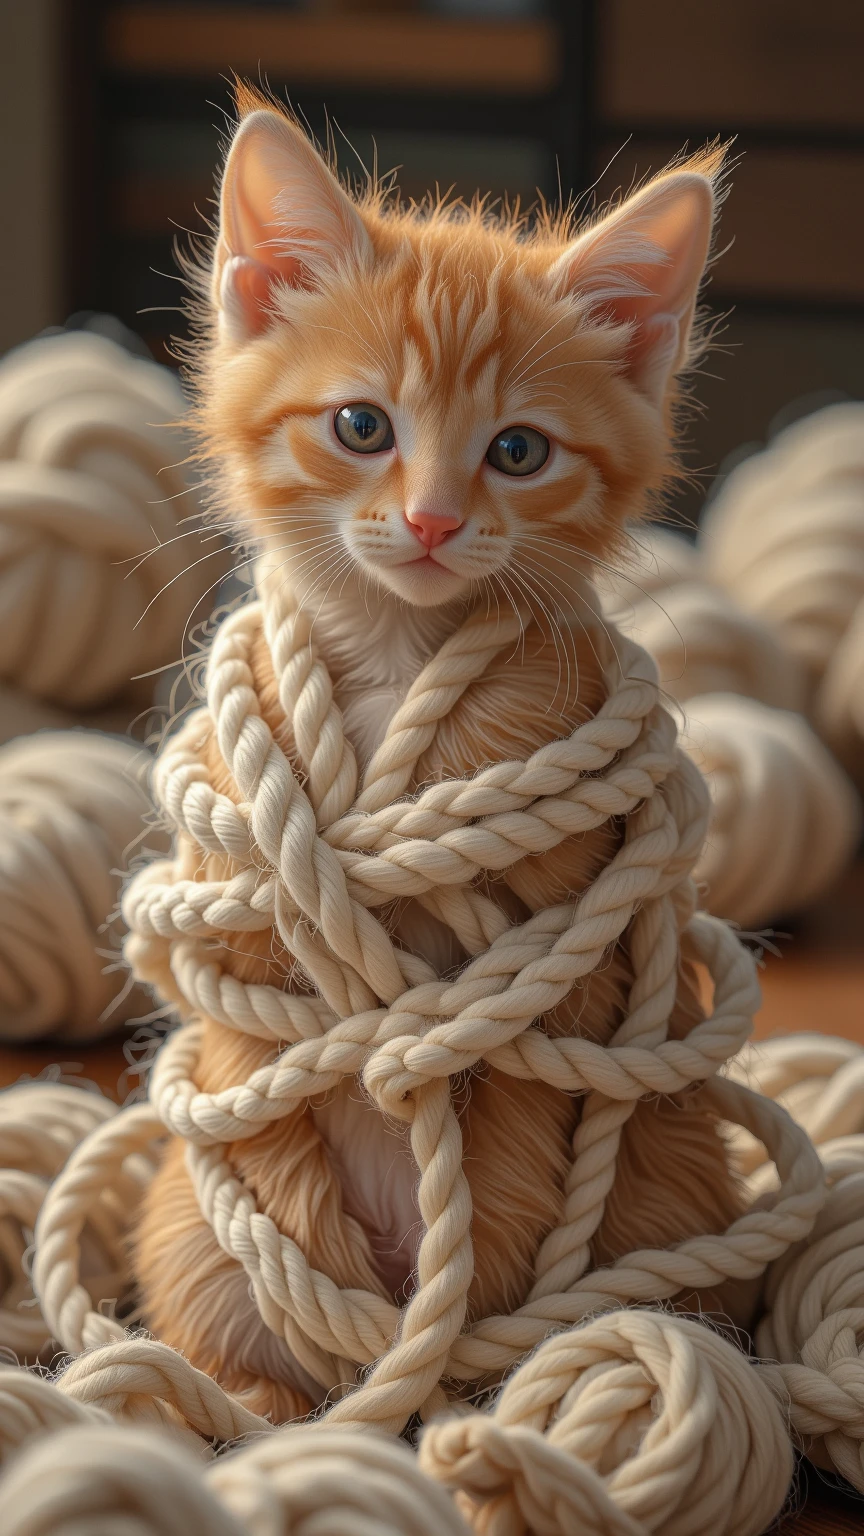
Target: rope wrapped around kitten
[{"x": 313, "y": 861}]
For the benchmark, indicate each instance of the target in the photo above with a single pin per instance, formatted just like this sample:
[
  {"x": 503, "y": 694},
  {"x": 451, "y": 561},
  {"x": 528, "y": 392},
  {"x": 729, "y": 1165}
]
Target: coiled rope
[{"x": 621, "y": 1421}]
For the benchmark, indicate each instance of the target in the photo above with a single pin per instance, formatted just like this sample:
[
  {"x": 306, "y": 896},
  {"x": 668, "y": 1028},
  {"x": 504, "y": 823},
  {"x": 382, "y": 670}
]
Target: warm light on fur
[{"x": 458, "y": 325}]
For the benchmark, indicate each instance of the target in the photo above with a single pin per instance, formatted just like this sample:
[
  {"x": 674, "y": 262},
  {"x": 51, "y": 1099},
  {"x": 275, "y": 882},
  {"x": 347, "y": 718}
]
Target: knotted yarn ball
[
  {"x": 785, "y": 820},
  {"x": 40, "y": 1124},
  {"x": 72, "y": 809},
  {"x": 785, "y": 533},
  {"x": 92, "y": 478},
  {"x": 813, "y": 1322},
  {"x": 839, "y": 704},
  {"x": 785, "y": 536},
  {"x": 636, "y": 1422},
  {"x": 100, "y": 1478}
]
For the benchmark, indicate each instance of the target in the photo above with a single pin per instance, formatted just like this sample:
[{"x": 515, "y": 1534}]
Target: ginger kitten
[{"x": 418, "y": 412}]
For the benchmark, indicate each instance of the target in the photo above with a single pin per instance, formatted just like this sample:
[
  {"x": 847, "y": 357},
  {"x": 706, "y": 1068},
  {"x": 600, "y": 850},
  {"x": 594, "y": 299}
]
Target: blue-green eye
[
  {"x": 518, "y": 451},
  {"x": 363, "y": 428}
]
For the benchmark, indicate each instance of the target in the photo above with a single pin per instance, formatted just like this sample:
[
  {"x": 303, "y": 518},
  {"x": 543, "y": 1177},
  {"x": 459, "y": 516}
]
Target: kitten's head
[{"x": 429, "y": 402}]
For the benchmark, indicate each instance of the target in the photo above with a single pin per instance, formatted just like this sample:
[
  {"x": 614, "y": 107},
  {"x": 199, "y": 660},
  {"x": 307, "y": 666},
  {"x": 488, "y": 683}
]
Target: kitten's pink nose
[{"x": 432, "y": 527}]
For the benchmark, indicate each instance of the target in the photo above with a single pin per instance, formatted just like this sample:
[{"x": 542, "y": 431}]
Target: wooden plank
[
  {"x": 102, "y": 1063},
  {"x": 356, "y": 48},
  {"x": 802, "y": 992},
  {"x": 732, "y": 63},
  {"x": 796, "y": 218},
  {"x": 825, "y": 1515}
]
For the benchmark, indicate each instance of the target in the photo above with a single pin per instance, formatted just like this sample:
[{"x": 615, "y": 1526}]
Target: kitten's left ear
[
  {"x": 283, "y": 218},
  {"x": 642, "y": 266}
]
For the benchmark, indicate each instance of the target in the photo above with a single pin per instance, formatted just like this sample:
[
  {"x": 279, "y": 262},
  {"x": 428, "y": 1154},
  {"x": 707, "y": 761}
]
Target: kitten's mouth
[
  {"x": 428, "y": 555},
  {"x": 422, "y": 580}
]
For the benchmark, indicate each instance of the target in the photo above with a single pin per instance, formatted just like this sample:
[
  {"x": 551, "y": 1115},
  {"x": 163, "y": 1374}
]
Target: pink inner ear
[{"x": 247, "y": 287}]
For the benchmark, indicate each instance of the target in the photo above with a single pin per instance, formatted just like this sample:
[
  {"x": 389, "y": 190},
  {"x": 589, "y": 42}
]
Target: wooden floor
[{"x": 815, "y": 983}]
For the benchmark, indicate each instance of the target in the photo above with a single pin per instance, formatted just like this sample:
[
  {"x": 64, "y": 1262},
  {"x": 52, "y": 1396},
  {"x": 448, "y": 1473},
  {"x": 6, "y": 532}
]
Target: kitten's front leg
[{"x": 198, "y": 1300}]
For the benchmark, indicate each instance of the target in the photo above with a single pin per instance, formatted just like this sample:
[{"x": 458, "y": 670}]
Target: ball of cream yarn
[
  {"x": 839, "y": 705},
  {"x": 784, "y": 816},
  {"x": 72, "y": 808},
  {"x": 785, "y": 534},
  {"x": 700, "y": 638},
  {"x": 91, "y": 479}
]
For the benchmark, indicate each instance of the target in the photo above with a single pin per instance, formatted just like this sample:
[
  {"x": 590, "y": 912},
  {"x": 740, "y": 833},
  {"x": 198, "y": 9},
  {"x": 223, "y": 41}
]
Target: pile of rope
[
  {"x": 612, "y": 1421},
  {"x": 768, "y": 606},
  {"x": 101, "y": 571}
]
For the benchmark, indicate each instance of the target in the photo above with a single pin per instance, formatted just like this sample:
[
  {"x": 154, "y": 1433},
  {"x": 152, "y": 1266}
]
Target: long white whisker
[
  {"x": 556, "y": 632},
  {"x": 178, "y": 577},
  {"x": 165, "y": 544},
  {"x": 574, "y": 594},
  {"x": 622, "y": 575}
]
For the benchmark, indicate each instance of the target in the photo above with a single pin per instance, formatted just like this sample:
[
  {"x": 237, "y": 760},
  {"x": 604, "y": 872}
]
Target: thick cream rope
[{"x": 312, "y": 859}]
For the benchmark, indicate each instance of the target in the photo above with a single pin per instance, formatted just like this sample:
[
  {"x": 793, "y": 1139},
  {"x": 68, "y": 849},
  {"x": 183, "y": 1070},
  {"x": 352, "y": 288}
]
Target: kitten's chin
[{"x": 423, "y": 583}]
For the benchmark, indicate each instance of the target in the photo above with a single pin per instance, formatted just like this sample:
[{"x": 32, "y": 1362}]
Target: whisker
[
  {"x": 517, "y": 613},
  {"x": 178, "y": 577},
  {"x": 165, "y": 544},
  {"x": 185, "y": 662},
  {"x": 615, "y": 571},
  {"x": 578, "y": 362},
  {"x": 186, "y": 490},
  {"x": 557, "y": 633},
  {"x": 575, "y": 594}
]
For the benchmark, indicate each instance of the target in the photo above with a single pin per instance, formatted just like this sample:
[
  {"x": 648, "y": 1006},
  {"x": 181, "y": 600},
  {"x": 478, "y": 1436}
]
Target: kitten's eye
[
  {"x": 518, "y": 451},
  {"x": 363, "y": 428}
]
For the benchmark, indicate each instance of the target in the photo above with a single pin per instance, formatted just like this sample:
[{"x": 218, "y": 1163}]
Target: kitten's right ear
[{"x": 282, "y": 218}]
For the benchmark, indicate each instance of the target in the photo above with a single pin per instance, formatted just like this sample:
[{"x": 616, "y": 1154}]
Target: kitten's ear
[
  {"x": 282, "y": 217},
  {"x": 642, "y": 266}
]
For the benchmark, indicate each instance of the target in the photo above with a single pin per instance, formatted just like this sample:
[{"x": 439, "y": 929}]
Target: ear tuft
[
  {"x": 642, "y": 266},
  {"x": 283, "y": 218}
]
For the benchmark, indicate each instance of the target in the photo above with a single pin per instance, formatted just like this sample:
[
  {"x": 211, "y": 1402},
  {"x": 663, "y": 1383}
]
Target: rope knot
[{"x": 391, "y": 1077}]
